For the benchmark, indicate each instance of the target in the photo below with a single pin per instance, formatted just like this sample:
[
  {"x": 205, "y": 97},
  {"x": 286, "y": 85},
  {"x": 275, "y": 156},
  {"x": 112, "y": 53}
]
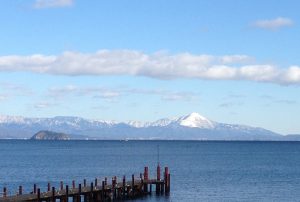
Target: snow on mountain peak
[
  {"x": 9, "y": 119},
  {"x": 195, "y": 120},
  {"x": 136, "y": 124}
]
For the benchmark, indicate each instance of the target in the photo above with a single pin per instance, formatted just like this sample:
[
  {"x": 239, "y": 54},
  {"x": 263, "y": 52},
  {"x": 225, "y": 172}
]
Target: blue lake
[{"x": 200, "y": 170}]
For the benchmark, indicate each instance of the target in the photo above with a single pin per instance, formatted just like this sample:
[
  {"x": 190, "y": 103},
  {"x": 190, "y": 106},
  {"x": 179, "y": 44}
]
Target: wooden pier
[{"x": 95, "y": 191}]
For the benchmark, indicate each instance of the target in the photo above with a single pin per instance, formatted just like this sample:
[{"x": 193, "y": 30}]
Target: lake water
[{"x": 200, "y": 170}]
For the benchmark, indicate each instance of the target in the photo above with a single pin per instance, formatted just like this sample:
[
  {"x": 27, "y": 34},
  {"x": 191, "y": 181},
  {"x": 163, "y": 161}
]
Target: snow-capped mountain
[
  {"x": 190, "y": 127},
  {"x": 193, "y": 120}
]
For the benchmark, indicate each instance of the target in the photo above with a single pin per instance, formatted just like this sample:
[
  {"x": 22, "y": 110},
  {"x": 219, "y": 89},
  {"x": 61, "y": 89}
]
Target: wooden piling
[
  {"x": 4, "y": 192},
  {"x": 169, "y": 183},
  {"x": 146, "y": 177},
  {"x": 158, "y": 185},
  {"x": 48, "y": 186},
  {"x": 166, "y": 176},
  {"x": 103, "y": 190},
  {"x": 34, "y": 188},
  {"x": 61, "y": 185},
  {"x": 91, "y": 195},
  {"x": 124, "y": 187},
  {"x": 38, "y": 195},
  {"x": 113, "y": 188},
  {"x": 67, "y": 193},
  {"x": 20, "y": 190},
  {"x": 53, "y": 194},
  {"x": 79, "y": 188},
  {"x": 96, "y": 182},
  {"x": 78, "y": 195},
  {"x": 132, "y": 186}
]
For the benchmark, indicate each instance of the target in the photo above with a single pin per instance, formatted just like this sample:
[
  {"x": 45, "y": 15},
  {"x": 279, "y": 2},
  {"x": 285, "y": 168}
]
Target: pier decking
[{"x": 95, "y": 191}]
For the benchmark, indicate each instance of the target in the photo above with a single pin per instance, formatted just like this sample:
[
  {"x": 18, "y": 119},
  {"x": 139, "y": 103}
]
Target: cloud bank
[
  {"x": 112, "y": 93},
  {"x": 39, "y": 4},
  {"x": 274, "y": 24},
  {"x": 159, "y": 65}
]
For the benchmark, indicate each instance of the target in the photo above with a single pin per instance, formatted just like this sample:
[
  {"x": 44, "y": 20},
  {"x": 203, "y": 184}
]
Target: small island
[{"x": 50, "y": 135}]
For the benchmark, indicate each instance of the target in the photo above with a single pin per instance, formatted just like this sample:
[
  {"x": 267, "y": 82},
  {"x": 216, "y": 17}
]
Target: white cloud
[
  {"x": 112, "y": 94},
  {"x": 43, "y": 105},
  {"x": 3, "y": 97},
  {"x": 291, "y": 75},
  {"x": 178, "y": 96},
  {"x": 234, "y": 59},
  {"x": 38, "y": 4},
  {"x": 157, "y": 65},
  {"x": 274, "y": 24}
]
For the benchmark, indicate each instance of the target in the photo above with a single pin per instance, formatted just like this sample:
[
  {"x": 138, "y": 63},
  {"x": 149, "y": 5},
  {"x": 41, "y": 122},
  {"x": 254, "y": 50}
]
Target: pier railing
[{"x": 96, "y": 191}]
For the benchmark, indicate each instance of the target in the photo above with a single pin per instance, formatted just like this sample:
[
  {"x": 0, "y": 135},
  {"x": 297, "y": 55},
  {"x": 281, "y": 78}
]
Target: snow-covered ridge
[
  {"x": 58, "y": 120},
  {"x": 193, "y": 120},
  {"x": 190, "y": 127}
]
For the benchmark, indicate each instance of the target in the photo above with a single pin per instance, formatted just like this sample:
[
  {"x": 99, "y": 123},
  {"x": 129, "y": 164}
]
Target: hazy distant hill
[{"x": 189, "y": 127}]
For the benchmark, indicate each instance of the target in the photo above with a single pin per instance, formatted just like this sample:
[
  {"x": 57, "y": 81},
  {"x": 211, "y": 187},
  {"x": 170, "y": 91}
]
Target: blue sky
[{"x": 231, "y": 61}]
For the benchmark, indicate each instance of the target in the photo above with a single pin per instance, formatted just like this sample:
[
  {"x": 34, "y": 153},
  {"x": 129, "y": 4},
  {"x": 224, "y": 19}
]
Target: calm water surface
[{"x": 200, "y": 171}]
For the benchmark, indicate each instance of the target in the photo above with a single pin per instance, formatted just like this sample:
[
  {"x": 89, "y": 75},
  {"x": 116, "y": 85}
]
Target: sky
[{"x": 232, "y": 61}]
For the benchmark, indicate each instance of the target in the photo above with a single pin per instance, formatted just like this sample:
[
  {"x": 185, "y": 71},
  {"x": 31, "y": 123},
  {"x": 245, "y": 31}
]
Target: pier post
[
  {"x": 166, "y": 181},
  {"x": 162, "y": 187},
  {"x": 34, "y": 188},
  {"x": 53, "y": 194},
  {"x": 103, "y": 191},
  {"x": 158, "y": 185},
  {"x": 124, "y": 187},
  {"x": 20, "y": 190},
  {"x": 116, "y": 189},
  {"x": 76, "y": 197},
  {"x": 4, "y": 192},
  {"x": 146, "y": 177},
  {"x": 79, "y": 193},
  {"x": 169, "y": 183},
  {"x": 113, "y": 187},
  {"x": 38, "y": 195},
  {"x": 61, "y": 185},
  {"x": 48, "y": 187},
  {"x": 73, "y": 184},
  {"x": 132, "y": 186},
  {"x": 67, "y": 193},
  {"x": 96, "y": 182},
  {"x": 91, "y": 195}
]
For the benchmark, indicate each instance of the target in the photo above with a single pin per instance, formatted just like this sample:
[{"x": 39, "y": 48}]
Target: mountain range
[{"x": 190, "y": 127}]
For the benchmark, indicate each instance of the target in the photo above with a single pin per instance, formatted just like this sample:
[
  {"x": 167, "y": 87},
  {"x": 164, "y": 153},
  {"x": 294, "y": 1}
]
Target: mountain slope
[{"x": 189, "y": 127}]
